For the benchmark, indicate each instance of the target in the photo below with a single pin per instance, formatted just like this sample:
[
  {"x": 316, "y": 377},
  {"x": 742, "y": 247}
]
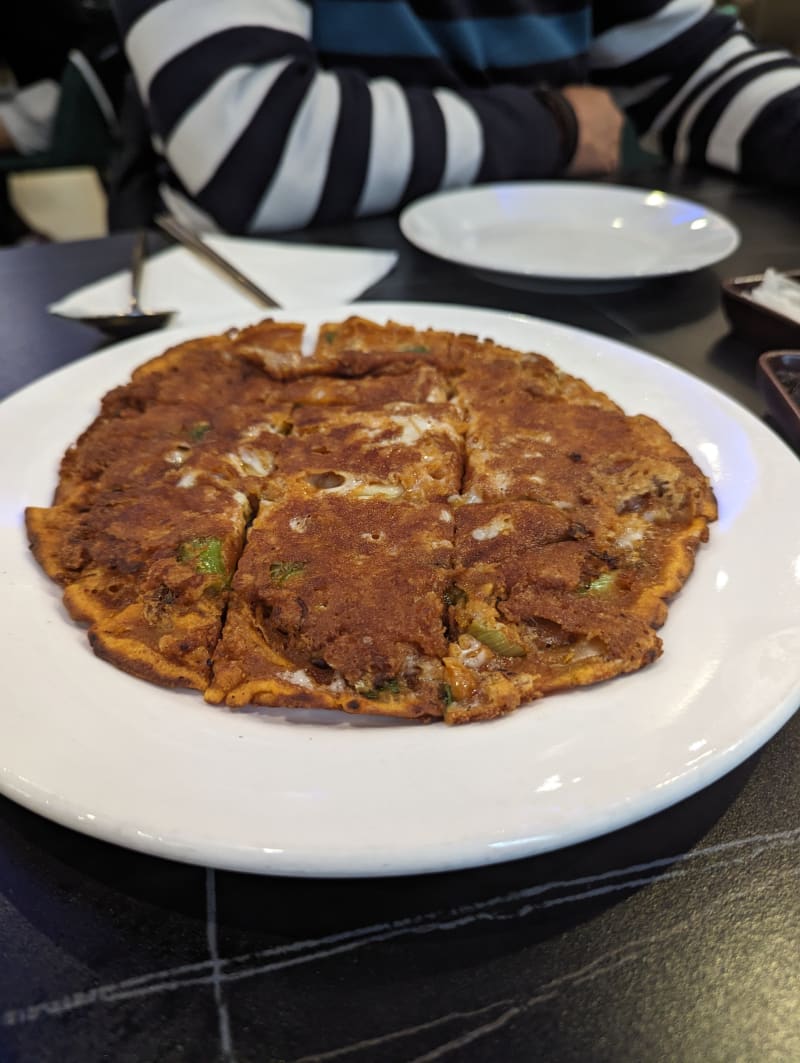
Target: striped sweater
[{"x": 278, "y": 114}]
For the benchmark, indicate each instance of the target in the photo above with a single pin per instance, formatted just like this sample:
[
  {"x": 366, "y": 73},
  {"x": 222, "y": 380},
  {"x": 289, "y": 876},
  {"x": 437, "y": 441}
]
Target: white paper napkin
[{"x": 294, "y": 275}]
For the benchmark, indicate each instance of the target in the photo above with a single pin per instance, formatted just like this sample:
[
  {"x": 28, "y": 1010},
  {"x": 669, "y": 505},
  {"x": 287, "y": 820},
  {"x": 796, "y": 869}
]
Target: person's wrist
[{"x": 566, "y": 122}]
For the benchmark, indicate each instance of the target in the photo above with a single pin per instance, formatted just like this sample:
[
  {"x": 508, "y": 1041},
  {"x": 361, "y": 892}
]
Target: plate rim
[
  {"x": 424, "y": 859},
  {"x": 407, "y": 219}
]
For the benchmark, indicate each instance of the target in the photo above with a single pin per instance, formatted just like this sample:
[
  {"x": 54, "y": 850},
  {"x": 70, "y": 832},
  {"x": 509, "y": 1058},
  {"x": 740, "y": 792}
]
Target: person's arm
[
  {"x": 697, "y": 88},
  {"x": 262, "y": 137}
]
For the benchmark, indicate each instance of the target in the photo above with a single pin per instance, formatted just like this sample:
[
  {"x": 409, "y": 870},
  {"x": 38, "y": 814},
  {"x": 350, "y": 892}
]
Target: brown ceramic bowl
[
  {"x": 765, "y": 328},
  {"x": 779, "y": 383}
]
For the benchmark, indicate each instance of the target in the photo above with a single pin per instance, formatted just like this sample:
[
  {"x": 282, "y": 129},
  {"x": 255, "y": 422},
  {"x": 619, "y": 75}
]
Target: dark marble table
[{"x": 677, "y": 938}]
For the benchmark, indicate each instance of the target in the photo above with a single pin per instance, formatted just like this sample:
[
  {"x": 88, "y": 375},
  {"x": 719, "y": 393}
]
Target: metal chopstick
[{"x": 195, "y": 243}]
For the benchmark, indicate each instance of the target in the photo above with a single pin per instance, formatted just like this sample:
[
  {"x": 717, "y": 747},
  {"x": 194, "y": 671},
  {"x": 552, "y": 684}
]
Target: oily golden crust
[
  {"x": 382, "y": 343},
  {"x": 147, "y": 569},
  {"x": 249, "y": 669},
  {"x": 208, "y": 370},
  {"x": 404, "y": 383},
  {"x": 439, "y": 526},
  {"x": 397, "y": 450},
  {"x": 180, "y": 657},
  {"x": 51, "y": 534},
  {"x": 343, "y": 594},
  {"x": 495, "y": 376},
  {"x": 527, "y": 604}
]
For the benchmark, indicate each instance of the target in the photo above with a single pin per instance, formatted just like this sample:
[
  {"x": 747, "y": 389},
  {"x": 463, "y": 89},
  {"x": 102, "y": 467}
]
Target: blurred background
[{"x": 55, "y": 187}]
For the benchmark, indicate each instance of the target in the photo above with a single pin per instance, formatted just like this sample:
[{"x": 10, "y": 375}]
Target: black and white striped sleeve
[
  {"x": 261, "y": 137},
  {"x": 698, "y": 89}
]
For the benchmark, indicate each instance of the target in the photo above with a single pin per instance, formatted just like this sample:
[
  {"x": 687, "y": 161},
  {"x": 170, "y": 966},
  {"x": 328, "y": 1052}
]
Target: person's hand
[{"x": 600, "y": 124}]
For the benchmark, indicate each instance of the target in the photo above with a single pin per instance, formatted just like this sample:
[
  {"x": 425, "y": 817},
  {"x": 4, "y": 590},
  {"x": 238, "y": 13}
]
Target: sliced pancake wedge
[
  {"x": 148, "y": 570},
  {"x": 532, "y": 610},
  {"x": 337, "y": 602}
]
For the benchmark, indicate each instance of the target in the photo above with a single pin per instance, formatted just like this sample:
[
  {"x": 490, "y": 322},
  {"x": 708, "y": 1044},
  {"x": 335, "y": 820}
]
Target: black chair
[{"x": 86, "y": 132}]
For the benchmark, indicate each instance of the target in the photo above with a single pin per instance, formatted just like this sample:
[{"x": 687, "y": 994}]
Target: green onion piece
[
  {"x": 205, "y": 554},
  {"x": 197, "y": 431},
  {"x": 281, "y": 571},
  {"x": 415, "y": 348},
  {"x": 379, "y": 691},
  {"x": 447, "y": 695},
  {"x": 604, "y": 582},
  {"x": 497, "y": 641},
  {"x": 330, "y": 336}
]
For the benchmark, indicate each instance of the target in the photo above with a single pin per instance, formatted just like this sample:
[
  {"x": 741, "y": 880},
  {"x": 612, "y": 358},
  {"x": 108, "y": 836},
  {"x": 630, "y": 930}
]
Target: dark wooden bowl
[
  {"x": 765, "y": 328},
  {"x": 779, "y": 383}
]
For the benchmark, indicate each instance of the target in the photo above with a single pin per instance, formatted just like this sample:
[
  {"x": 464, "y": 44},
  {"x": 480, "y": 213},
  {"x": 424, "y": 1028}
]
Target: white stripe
[
  {"x": 732, "y": 48},
  {"x": 724, "y": 144},
  {"x": 626, "y": 43},
  {"x": 464, "y": 143},
  {"x": 175, "y": 25},
  {"x": 227, "y": 109},
  {"x": 681, "y": 152},
  {"x": 390, "y": 149},
  {"x": 296, "y": 188}
]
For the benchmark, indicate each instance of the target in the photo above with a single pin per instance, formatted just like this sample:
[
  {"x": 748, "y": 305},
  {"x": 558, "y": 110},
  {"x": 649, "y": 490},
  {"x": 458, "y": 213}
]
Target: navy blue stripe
[
  {"x": 180, "y": 82},
  {"x": 449, "y": 9},
  {"x": 607, "y": 16},
  {"x": 710, "y": 114},
  {"x": 129, "y": 11},
  {"x": 644, "y": 113},
  {"x": 771, "y": 147},
  {"x": 678, "y": 57},
  {"x": 373, "y": 27},
  {"x": 434, "y": 73},
  {"x": 408, "y": 70},
  {"x": 520, "y": 135},
  {"x": 670, "y": 131},
  {"x": 570, "y": 71},
  {"x": 347, "y": 169},
  {"x": 234, "y": 192},
  {"x": 429, "y": 139}
]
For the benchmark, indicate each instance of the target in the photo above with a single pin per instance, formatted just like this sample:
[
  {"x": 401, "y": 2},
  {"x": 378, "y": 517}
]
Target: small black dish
[
  {"x": 779, "y": 383},
  {"x": 765, "y": 328}
]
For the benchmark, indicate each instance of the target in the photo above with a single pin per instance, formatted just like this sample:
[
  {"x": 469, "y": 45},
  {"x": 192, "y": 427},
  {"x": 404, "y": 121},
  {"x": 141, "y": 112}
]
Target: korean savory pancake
[{"x": 410, "y": 523}]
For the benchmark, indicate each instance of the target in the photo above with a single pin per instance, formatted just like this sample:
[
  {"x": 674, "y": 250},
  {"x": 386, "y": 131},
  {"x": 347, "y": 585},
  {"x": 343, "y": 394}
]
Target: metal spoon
[{"x": 134, "y": 321}]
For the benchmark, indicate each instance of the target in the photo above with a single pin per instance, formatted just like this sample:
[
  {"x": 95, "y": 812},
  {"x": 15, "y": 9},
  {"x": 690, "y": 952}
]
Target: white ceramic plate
[
  {"x": 574, "y": 232},
  {"x": 323, "y": 794}
]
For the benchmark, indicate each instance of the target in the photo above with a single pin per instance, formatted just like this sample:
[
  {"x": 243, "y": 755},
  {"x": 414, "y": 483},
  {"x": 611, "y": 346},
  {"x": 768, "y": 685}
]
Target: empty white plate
[{"x": 569, "y": 231}]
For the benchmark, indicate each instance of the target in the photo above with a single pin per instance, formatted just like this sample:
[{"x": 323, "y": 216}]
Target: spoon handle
[
  {"x": 194, "y": 243},
  {"x": 137, "y": 266}
]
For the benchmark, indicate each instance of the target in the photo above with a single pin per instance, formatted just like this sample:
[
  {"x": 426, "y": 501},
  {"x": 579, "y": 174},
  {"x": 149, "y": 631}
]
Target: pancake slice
[
  {"x": 148, "y": 570},
  {"x": 532, "y": 609},
  {"x": 337, "y": 602}
]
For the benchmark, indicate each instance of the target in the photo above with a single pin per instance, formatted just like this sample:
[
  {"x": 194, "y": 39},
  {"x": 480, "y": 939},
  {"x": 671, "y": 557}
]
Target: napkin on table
[{"x": 295, "y": 275}]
